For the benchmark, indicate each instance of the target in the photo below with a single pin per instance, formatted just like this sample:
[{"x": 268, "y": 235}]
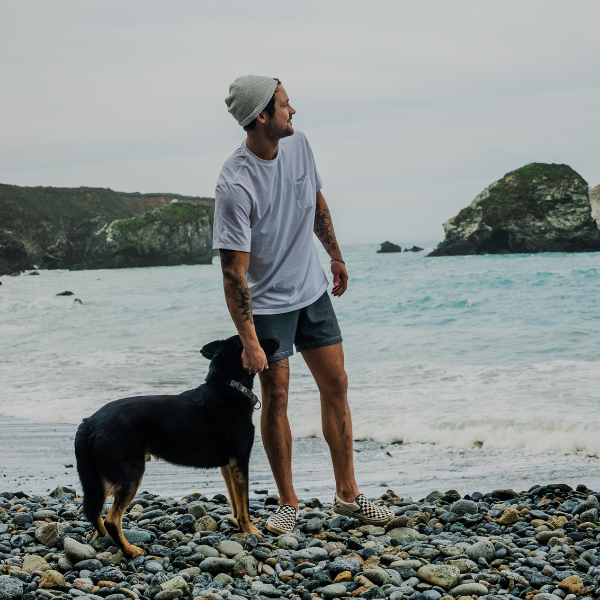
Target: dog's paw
[
  {"x": 134, "y": 551},
  {"x": 256, "y": 531}
]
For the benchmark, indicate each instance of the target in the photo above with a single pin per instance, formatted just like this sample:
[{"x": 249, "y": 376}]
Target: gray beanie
[{"x": 248, "y": 96}]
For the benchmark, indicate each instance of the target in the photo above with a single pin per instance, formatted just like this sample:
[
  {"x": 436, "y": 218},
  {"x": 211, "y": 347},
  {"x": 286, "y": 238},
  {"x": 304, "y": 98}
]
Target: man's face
[{"x": 280, "y": 124}]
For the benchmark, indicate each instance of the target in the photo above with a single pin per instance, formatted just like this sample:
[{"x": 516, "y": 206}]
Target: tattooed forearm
[
  {"x": 236, "y": 287},
  {"x": 324, "y": 229}
]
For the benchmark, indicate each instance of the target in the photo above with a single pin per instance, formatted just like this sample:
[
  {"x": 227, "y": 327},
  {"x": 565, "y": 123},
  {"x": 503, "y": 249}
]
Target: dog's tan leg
[
  {"x": 100, "y": 529},
  {"x": 123, "y": 498},
  {"x": 227, "y": 476},
  {"x": 240, "y": 484}
]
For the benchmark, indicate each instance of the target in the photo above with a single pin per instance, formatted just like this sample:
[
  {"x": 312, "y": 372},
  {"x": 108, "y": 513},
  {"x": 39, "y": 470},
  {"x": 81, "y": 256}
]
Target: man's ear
[
  {"x": 270, "y": 345},
  {"x": 209, "y": 350}
]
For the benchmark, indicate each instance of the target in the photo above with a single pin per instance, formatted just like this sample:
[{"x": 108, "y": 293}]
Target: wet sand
[{"x": 36, "y": 457}]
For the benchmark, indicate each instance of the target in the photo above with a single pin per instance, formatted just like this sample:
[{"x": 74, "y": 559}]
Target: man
[{"x": 268, "y": 203}]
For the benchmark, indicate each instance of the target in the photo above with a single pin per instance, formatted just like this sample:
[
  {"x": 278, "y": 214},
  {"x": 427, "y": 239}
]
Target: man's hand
[
  {"x": 340, "y": 277},
  {"x": 254, "y": 359}
]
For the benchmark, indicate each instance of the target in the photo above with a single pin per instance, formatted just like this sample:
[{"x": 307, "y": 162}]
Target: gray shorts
[{"x": 313, "y": 326}]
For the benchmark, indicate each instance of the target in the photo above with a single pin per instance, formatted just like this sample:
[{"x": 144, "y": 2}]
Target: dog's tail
[{"x": 94, "y": 493}]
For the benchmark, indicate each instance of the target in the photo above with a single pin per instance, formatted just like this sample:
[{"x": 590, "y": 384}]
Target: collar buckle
[{"x": 246, "y": 391}]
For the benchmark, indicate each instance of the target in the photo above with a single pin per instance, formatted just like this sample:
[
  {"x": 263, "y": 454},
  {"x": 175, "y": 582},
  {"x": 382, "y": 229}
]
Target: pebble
[
  {"x": 445, "y": 576},
  {"x": 229, "y": 548},
  {"x": 469, "y": 589},
  {"x": 334, "y": 590},
  {"x": 10, "y": 588}
]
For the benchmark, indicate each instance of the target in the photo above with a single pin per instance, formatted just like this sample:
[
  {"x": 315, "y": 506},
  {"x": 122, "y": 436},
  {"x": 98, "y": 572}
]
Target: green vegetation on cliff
[
  {"x": 520, "y": 193},
  {"x": 65, "y": 227},
  {"x": 172, "y": 215}
]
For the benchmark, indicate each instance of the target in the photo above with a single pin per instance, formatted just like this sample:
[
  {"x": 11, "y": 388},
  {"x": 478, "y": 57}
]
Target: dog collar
[{"x": 246, "y": 391}]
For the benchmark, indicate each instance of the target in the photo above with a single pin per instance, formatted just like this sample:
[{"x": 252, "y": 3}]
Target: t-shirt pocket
[{"x": 303, "y": 196}]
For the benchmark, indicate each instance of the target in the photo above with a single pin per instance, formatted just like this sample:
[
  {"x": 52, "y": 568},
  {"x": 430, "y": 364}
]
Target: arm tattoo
[
  {"x": 324, "y": 229},
  {"x": 236, "y": 287}
]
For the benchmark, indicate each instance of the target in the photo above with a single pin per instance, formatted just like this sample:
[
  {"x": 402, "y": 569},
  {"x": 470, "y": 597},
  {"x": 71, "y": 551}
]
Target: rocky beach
[{"x": 497, "y": 544}]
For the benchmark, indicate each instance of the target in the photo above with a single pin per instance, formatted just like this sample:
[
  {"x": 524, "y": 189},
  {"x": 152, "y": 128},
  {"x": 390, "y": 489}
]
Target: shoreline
[{"x": 34, "y": 456}]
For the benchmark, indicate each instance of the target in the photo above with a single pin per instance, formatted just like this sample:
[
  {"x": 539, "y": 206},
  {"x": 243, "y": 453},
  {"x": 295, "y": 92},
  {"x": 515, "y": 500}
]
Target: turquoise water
[{"x": 498, "y": 352}]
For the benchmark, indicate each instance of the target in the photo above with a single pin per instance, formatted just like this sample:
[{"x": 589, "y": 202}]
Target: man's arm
[
  {"x": 324, "y": 231},
  {"x": 239, "y": 302}
]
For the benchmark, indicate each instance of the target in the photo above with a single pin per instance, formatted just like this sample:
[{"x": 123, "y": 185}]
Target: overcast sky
[{"x": 412, "y": 108}]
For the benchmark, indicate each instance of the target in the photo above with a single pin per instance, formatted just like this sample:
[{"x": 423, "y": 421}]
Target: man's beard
[{"x": 275, "y": 132}]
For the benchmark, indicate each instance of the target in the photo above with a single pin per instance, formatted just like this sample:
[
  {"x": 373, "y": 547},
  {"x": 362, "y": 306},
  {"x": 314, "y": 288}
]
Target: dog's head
[{"x": 226, "y": 357}]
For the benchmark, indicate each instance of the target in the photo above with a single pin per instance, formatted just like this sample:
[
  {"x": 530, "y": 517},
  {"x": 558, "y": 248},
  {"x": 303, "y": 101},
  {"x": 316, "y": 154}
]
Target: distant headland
[{"x": 97, "y": 228}]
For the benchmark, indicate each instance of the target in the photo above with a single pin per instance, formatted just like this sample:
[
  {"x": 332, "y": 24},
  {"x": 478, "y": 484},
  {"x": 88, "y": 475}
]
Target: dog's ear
[
  {"x": 270, "y": 346},
  {"x": 209, "y": 350}
]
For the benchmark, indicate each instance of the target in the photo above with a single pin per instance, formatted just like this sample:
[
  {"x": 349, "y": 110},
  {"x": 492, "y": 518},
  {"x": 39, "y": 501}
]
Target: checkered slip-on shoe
[
  {"x": 283, "y": 521},
  {"x": 363, "y": 510}
]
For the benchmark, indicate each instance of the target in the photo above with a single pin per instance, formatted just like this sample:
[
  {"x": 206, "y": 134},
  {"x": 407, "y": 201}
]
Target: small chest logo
[{"x": 301, "y": 179}]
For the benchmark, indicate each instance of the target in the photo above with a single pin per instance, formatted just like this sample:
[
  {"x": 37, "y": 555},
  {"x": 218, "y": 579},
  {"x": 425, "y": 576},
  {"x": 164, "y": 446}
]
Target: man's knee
[
  {"x": 275, "y": 398},
  {"x": 336, "y": 385}
]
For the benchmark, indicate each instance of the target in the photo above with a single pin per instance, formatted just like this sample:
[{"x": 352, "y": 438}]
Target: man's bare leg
[
  {"x": 275, "y": 428},
  {"x": 327, "y": 367}
]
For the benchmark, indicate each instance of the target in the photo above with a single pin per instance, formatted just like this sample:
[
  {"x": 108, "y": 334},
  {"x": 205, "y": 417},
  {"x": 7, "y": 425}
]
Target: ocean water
[{"x": 497, "y": 353}]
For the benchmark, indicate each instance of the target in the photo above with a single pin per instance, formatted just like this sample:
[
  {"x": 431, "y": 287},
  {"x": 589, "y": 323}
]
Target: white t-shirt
[{"x": 267, "y": 208}]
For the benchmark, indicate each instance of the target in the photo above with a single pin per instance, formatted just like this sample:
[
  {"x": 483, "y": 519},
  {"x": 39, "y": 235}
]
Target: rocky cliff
[
  {"x": 91, "y": 228},
  {"x": 537, "y": 208},
  {"x": 595, "y": 202}
]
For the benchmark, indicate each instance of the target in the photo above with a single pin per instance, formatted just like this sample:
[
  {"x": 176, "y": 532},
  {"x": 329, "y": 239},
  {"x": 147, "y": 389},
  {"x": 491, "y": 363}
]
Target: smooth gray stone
[
  {"x": 77, "y": 552},
  {"x": 247, "y": 564},
  {"x": 40, "y": 515},
  {"x": 589, "y": 516},
  {"x": 11, "y": 588},
  {"x": 217, "y": 565},
  {"x": 153, "y": 566},
  {"x": 317, "y": 553},
  {"x": 288, "y": 542},
  {"x": 468, "y": 589},
  {"x": 377, "y": 576},
  {"x": 431, "y": 595},
  {"x": 91, "y": 564},
  {"x": 22, "y": 519},
  {"x": 168, "y": 595},
  {"x": 339, "y": 565},
  {"x": 483, "y": 549},
  {"x": 298, "y": 554},
  {"x": 334, "y": 590},
  {"x": 229, "y": 548},
  {"x": 208, "y": 551},
  {"x": 533, "y": 561},
  {"x": 464, "y": 507},
  {"x": 137, "y": 536}
]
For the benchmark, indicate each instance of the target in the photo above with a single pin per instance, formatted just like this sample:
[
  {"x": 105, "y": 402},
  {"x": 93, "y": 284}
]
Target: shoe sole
[
  {"x": 277, "y": 530},
  {"x": 356, "y": 515}
]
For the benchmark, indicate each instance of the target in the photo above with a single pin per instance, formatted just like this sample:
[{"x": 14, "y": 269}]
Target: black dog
[{"x": 210, "y": 426}]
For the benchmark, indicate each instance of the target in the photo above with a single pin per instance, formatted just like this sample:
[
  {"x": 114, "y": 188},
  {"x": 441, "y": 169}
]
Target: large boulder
[{"x": 537, "y": 208}]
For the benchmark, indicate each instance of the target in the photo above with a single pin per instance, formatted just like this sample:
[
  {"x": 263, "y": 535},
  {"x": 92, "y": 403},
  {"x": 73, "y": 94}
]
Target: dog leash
[{"x": 246, "y": 391}]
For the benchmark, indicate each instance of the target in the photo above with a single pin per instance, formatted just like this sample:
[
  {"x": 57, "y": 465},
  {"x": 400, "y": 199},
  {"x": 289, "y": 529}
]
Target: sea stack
[
  {"x": 389, "y": 247},
  {"x": 537, "y": 208}
]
